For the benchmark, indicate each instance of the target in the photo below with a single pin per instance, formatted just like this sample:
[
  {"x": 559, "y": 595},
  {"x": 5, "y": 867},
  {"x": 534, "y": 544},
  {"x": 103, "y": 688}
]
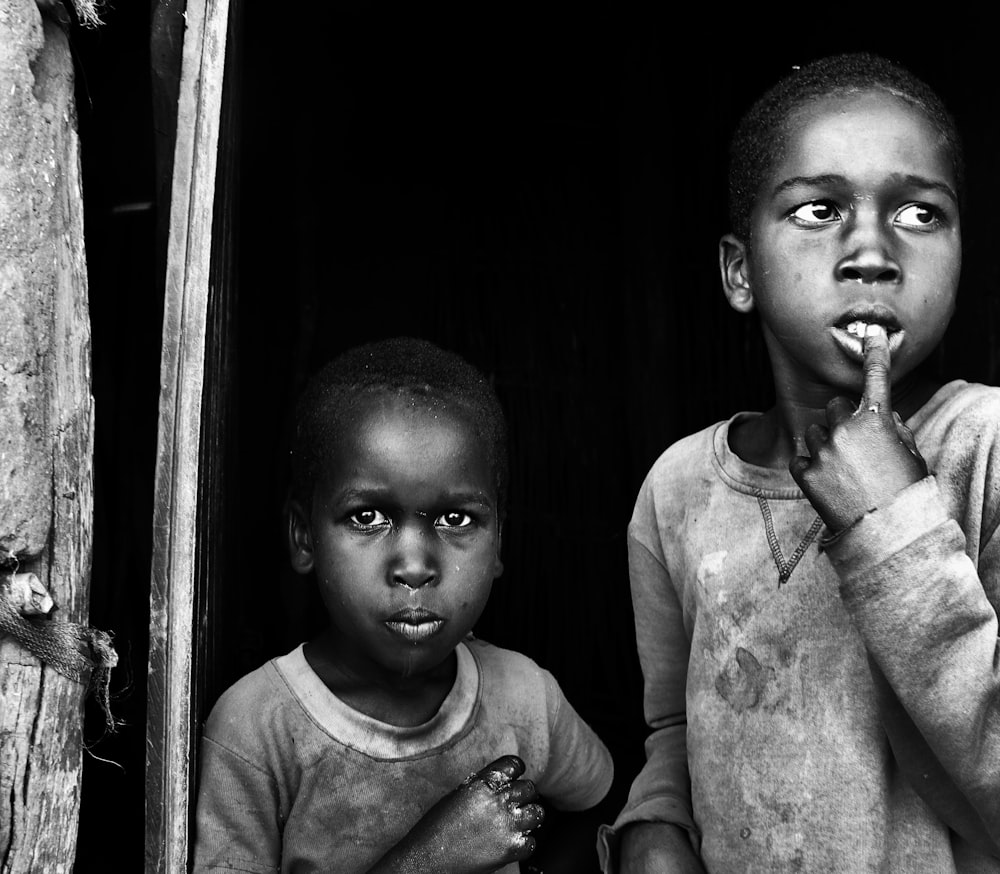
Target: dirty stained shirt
[
  {"x": 848, "y": 720},
  {"x": 294, "y": 780}
]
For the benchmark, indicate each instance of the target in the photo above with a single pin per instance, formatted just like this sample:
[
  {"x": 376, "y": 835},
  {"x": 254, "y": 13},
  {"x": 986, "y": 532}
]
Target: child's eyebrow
[
  {"x": 910, "y": 180},
  {"x": 929, "y": 184},
  {"x": 821, "y": 179},
  {"x": 380, "y": 493},
  {"x": 469, "y": 498}
]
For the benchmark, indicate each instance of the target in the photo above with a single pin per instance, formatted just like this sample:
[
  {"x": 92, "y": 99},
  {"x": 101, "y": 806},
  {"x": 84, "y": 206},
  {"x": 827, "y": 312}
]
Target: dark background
[{"x": 546, "y": 201}]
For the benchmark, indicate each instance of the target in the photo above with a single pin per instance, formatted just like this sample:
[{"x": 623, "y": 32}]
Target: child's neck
[
  {"x": 390, "y": 698},
  {"x": 776, "y": 437}
]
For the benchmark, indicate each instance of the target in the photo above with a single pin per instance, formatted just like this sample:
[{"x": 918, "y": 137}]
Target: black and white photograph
[{"x": 499, "y": 442}]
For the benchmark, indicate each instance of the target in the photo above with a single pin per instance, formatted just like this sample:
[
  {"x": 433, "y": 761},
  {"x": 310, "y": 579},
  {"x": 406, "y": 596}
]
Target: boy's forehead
[
  {"x": 402, "y": 427},
  {"x": 864, "y": 134},
  {"x": 407, "y": 412}
]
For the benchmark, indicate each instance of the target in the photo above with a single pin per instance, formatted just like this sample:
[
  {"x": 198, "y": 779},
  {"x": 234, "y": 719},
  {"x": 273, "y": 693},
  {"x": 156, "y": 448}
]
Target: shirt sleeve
[
  {"x": 238, "y": 824},
  {"x": 921, "y": 606},
  {"x": 662, "y": 790},
  {"x": 579, "y": 770}
]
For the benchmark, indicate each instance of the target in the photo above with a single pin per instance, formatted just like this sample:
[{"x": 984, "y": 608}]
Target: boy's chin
[{"x": 423, "y": 662}]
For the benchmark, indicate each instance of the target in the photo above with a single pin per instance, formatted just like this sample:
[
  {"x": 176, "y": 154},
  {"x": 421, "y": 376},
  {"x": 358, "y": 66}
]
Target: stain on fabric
[
  {"x": 744, "y": 680},
  {"x": 711, "y": 566}
]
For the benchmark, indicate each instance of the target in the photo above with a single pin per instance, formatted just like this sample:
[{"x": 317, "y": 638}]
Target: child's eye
[
  {"x": 917, "y": 215},
  {"x": 367, "y": 518},
  {"x": 453, "y": 519},
  {"x": 815, "y": 213}
]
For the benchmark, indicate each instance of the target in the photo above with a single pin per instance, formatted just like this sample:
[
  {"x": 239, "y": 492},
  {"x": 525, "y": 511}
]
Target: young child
[
  {"x": 354, "y": 752},
  {"x": 815, "y": 587}
]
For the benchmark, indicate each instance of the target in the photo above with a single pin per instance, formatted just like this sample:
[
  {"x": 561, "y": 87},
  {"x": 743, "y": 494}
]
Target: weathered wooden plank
[
  {"x": 46, "y": 439},
  {"x": 214, "y": 651},
  {"x": 170, "y": 729}
]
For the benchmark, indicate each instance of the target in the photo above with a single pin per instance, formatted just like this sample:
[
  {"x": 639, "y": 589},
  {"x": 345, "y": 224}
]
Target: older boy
[{"x": 832, "y": 708}]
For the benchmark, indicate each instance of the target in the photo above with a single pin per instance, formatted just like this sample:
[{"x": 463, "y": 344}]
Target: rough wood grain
[
  {"x": 46, "y": 442},
  {"x": 170, "y": 729}
]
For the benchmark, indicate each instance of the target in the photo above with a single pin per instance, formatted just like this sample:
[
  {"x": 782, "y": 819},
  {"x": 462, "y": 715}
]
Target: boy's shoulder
[
  {"x": 693, "y": 450},
  {"x": 253, "y": 707},
  {"x": 513, "y": 681},
  {"x": 498, "y": 664},
  {"x": 688, "y": 460},
  {"x": 960, "y": 413}
]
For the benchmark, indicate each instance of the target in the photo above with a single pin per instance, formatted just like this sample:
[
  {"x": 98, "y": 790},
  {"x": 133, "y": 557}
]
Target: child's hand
[
  {"x": 479, "y": 827},
  {"x": 866, "y": 456}
]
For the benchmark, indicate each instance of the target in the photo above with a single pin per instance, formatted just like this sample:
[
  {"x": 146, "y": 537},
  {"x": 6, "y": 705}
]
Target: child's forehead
[
  {"x": 415, "y": 409},
  {"x": 396, "y": 419},
  {"x": 860, "y": 128},
  {"x": 871, "y": 103},
  {"x": 408, "y": 448}
]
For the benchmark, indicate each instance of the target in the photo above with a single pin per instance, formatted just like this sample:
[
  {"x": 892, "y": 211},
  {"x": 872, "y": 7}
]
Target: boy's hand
[
  {"x": 866, "y": 456},
  {"x": 479, "y": 827}
]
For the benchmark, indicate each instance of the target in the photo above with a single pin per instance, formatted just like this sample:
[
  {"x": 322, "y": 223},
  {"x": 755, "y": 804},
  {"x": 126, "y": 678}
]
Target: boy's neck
[
  {"x": 393, "y": 699},
  {"x": 776, "y": 437}
]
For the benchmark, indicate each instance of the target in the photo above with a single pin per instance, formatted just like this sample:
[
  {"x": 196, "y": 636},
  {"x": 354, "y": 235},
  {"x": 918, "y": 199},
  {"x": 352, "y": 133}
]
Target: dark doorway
[{"x": 547, "y": 204}]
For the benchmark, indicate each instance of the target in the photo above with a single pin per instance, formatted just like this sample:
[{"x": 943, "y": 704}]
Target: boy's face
[
  {"x": 859, "y": 223},
  {"x": 404, "y": 537}
]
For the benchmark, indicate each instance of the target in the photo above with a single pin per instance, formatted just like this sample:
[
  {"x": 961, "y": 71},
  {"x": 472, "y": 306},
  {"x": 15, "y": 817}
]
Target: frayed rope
[{"x": 83, "y": 654}]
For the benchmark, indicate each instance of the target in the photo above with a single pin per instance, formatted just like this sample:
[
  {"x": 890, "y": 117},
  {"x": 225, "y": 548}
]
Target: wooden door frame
[{"x": 198, "y": 291}]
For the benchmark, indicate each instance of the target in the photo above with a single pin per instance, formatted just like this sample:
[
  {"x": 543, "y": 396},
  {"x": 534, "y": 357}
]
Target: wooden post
[
  {"x": 186, "y": 444},
  {"x": 46, "y": 430}
]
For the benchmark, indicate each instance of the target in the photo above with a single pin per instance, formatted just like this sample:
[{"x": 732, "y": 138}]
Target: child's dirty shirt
[
  {"x": 292, "y": 779},
  {"x": 764, "y": 694}
]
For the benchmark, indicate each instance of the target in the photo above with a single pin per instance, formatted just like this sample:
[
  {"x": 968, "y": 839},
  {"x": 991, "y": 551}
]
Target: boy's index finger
[{"x": 877, "y": 394}]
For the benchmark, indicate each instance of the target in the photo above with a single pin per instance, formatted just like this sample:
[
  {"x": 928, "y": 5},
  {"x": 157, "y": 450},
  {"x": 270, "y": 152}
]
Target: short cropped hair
[
  {"x": 759, "y": 140},
  {"x": 402, "y": 367}
]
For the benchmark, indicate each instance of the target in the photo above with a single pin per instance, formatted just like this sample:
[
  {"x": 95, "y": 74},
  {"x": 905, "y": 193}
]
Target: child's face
[
  {"x": 404, "y": 537},
  {"x": 859, "y": 223}
]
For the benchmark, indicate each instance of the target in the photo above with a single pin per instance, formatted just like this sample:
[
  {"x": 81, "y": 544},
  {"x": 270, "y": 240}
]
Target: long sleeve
[
  {"x": 922, "y": 593},
  {"x": 662, "y": 790}
]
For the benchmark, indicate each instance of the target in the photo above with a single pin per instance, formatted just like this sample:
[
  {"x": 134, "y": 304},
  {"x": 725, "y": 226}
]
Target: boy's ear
[
  {"x": 300, "y": 546},
  {"x": 734, "y": 265}
]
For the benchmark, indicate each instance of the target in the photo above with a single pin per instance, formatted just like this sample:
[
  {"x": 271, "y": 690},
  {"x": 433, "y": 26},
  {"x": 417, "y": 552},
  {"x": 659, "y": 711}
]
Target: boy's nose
[
  {"x": 414, "y": 564},
  {"x": 869, "y": 258}
]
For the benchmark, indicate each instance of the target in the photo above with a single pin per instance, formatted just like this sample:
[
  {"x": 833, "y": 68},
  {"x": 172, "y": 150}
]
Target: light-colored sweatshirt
[{"x": 848, "y": 720}]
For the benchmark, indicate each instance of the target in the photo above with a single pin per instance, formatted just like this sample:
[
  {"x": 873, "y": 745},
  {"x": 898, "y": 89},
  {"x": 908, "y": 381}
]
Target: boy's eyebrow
[
  {"x": 930, "y": 184},
  {"x": 376, "y": 493},
  {"x": 821, "y": 179},
  {"x": 910, "y": 179}
]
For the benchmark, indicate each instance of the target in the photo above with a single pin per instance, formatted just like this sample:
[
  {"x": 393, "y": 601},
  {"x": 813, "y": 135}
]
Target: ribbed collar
[
  {"x": 376, "y": 739},
  {"x": 777, "y": 483}
]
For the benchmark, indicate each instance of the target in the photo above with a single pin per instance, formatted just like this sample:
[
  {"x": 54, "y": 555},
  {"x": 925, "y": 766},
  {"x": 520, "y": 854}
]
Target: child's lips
[
  {"x": 414, "y": 625},
  {"x": 854, "y": 345}
]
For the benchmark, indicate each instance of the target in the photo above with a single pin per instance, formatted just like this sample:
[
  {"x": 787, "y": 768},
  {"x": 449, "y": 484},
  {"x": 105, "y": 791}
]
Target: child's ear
[
  {"x": 734, "y": 265},
  {"x": 300, "y": 546}
]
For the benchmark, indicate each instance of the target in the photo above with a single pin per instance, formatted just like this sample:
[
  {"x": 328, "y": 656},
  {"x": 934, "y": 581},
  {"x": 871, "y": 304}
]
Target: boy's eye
[
  {"x": 453, "y": 519},
  {"x": 367, "y": 518},
  {"x": 916, "y": 215},
  {"x": 816, "y": 212}
]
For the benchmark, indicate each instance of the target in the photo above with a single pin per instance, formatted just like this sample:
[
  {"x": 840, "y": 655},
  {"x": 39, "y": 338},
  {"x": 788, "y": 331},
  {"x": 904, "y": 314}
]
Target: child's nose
[
  {"x": 414, "y": 564},
  {"x": 869, "y": 256}
]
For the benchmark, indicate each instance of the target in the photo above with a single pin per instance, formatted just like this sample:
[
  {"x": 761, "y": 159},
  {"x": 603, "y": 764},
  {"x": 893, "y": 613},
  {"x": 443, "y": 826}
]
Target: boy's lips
[
  {"x": 414, "y": 624},
  {"x": 849, "y": 332}
]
